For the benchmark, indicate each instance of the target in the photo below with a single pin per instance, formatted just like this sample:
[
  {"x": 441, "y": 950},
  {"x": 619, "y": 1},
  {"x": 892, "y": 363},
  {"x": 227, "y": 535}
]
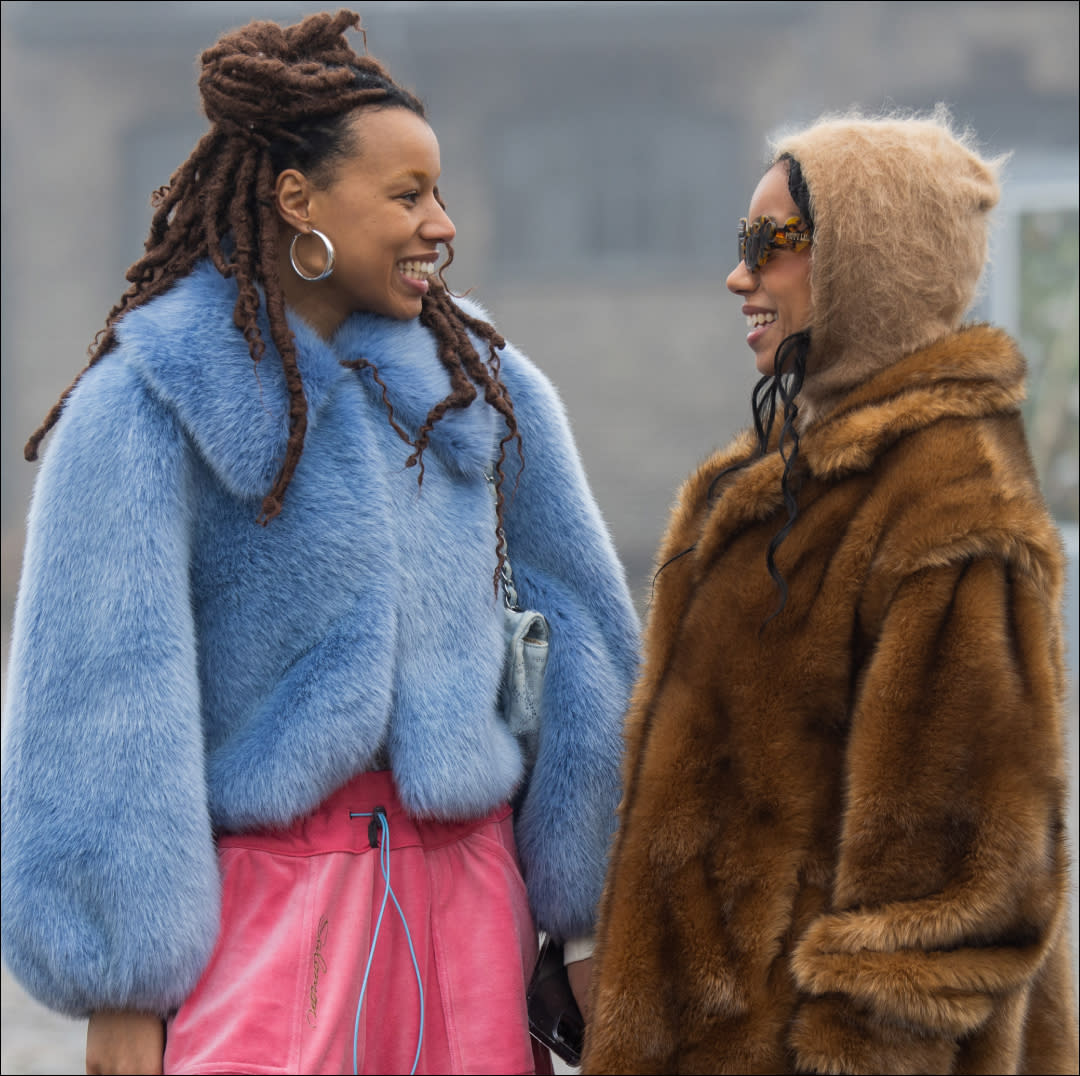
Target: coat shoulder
[{"x": 966, "y": 488}]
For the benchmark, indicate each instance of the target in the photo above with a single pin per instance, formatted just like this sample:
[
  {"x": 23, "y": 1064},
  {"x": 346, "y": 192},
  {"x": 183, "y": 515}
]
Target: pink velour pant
[{"x": 299, "y": 913}]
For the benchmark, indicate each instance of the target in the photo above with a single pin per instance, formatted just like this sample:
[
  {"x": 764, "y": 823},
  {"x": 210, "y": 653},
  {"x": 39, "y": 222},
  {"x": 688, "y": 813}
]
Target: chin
[
  {"x": 766, "y": 363},
  {"x": 407, "y": 311}
]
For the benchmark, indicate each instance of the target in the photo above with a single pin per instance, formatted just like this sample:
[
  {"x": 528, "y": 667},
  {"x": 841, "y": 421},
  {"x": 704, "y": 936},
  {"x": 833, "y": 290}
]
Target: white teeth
[
  {"x": 755, "y": 321},
  {"x": 419, "y": 270}
]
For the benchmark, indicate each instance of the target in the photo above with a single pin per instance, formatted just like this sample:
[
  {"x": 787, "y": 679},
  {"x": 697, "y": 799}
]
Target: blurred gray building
[{"x": 596, "y": 158}]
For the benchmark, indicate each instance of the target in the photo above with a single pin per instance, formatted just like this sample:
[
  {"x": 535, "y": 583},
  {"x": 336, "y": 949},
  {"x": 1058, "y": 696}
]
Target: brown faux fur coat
[{"x": 842, "y": 839}]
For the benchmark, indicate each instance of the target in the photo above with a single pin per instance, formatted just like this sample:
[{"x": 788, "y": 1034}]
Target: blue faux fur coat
[{"x": 177, "y": 669}]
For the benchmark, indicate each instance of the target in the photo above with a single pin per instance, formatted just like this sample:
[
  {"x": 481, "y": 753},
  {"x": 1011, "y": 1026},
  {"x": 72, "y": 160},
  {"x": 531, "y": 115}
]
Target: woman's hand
[
  {"x": 580, "y": 975},
  {"x": 124, "y": 1042}
]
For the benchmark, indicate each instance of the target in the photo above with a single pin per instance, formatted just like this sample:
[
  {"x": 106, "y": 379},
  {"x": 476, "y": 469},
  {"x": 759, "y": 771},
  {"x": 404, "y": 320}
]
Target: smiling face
[
  {"x": 380, "y": 210},
  {"x": 776, "y": 297}
]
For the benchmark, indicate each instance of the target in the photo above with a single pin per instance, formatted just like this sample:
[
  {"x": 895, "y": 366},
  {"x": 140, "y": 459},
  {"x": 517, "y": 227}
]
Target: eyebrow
[{"x": 416, "y": 175}]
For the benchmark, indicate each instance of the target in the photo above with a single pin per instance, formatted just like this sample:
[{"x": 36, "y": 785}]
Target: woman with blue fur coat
[{"x": 258, "y": 629}]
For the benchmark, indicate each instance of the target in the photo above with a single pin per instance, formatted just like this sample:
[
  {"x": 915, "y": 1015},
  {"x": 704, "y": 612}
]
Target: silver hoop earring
[{"x": 329, "y": 267}]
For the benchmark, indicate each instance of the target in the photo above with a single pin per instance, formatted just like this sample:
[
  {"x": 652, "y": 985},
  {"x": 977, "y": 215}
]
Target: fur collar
[
  {"x": 967, "y": 374},
  {"x": 972, "y": 373},
  {"x": 188, "y": 349}
]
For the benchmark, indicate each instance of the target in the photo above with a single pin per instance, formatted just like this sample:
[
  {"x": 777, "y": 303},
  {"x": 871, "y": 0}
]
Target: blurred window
[
  {"x": 611, "y": 192},
  {"x": 1035, "y": 294}
]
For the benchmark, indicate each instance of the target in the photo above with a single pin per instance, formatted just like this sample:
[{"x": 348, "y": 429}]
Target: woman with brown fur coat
[{"x": 842, "y": 836}]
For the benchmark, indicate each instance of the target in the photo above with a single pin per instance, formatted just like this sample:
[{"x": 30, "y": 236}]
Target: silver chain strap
[{"x": 510, "y": 594}]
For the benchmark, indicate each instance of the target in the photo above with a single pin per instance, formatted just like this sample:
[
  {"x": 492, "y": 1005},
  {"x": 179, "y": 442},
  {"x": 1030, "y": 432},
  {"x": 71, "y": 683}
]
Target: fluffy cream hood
[{"x": 901, "y": 217}]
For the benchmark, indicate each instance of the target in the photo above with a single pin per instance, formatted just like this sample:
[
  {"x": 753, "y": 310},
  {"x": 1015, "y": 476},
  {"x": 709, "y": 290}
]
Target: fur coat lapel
[
  {"x": 201, "y": 369},
  {"x": 465, "y": 440},
  {"x": 970, "y": 374}
]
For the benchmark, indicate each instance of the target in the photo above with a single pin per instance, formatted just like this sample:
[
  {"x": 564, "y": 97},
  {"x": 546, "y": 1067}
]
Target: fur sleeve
[
  {"x": 565, "y": 565},
  {"x": 951, "y": 886},
  {"x": 110, "y": 883}
]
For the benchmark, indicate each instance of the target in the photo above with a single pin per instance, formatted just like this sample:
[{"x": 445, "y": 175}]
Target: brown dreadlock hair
[{"x": 276, "y": 98}]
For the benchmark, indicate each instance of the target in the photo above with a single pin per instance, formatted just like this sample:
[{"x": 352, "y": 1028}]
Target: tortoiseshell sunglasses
[{"x": 759, "y": 240}]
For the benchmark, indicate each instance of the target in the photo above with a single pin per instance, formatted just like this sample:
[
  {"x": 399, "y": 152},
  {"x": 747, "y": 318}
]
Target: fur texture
[
  {"x": 842, "y": 837},
  {"x": 177, "y": 669},
  {"x": 901, "y": 211}
]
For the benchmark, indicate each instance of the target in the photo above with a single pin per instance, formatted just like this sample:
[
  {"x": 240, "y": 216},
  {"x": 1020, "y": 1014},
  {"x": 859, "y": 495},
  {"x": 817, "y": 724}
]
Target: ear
[{"x": 292, "y": 196}]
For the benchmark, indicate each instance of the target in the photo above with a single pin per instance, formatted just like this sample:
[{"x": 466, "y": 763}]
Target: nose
[
  {"x": 438, "y": 227},
  {"x": 741, "y": 281}
]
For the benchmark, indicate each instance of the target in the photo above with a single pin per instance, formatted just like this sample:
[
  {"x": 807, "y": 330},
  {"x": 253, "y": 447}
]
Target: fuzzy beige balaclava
[{"x": 900, "y": 211}]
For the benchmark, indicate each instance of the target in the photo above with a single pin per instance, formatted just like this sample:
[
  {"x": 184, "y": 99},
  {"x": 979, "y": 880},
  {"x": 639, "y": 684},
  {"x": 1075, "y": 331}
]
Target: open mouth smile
[
  {"x": 419, "y": 272},
  {"x": 757, "y": 321}
]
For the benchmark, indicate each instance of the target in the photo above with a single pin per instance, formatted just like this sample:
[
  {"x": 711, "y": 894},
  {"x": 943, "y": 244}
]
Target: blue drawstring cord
[{"x": 379, "y": 823}]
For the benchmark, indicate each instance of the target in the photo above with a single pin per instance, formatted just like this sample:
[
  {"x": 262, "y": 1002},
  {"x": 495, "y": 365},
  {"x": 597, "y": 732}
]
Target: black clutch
[{"x": 554, "y": 1017}]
